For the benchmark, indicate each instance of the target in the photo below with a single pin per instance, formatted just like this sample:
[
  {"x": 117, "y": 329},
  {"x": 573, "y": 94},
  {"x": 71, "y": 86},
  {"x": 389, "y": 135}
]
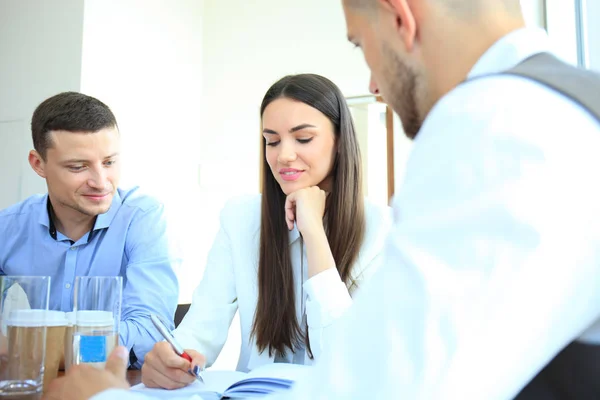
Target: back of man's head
[
  {"x": 418, "y": 50},
  {"x": 456, "y": 7},
  {"x": 71, "y": 112}
]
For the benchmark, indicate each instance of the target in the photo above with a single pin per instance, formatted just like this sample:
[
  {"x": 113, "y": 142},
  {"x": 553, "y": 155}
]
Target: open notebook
[{"x": 270, "y": 378}]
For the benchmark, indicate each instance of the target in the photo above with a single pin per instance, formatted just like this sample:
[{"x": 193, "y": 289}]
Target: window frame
[{"x": 568, "y": 25}]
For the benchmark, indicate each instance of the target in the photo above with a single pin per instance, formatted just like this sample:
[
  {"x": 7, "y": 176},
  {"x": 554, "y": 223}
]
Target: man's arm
[{"x": 151, "y": 284}]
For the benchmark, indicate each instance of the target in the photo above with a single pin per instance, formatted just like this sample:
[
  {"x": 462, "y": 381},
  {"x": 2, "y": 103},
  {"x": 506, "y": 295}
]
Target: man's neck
[{"x": 69, "y": 222}]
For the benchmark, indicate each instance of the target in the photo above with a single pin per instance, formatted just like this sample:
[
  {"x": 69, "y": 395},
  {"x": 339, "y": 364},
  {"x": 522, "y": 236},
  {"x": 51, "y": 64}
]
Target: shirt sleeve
[
  {"x": 150, "y": 285},
  {"x": 206, "y": 324},
  {"x": 328, "y": 297}
]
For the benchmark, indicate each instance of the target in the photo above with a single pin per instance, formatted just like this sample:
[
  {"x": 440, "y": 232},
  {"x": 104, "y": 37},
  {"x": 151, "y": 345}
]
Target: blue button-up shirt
[{"x": 129, "y": 240}]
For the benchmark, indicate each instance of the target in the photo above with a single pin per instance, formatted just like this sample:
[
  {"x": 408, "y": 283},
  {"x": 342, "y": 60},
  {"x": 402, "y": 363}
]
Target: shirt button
[
  {"x": 72, "y": 248},
  {"x": 68, "y": 286}
]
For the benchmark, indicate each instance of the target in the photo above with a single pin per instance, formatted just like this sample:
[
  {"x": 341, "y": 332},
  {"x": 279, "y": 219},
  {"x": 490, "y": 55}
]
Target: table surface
[{"x": 133, "y": 376}]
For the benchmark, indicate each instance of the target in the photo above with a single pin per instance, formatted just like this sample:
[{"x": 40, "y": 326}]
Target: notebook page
[
  {"x": 269, "y": 378},
  {"x": 214, "y": 382},
  {"x": 292, "y": 372}
]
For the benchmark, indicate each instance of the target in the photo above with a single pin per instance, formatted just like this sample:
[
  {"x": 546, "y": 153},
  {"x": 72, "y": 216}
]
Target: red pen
[{"x": 164, "y": 331}]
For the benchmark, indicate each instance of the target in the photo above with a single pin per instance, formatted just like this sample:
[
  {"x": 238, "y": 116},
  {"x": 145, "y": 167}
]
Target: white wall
[
  {"x": 40, "y": 55},
  {"x": 247, "y": 47},
  {"x": 144, "y": 59}
]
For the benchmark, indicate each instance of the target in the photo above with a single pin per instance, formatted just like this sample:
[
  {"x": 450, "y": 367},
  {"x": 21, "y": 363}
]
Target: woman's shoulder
[
  {"x": 242, "y": 211},
  {"x": 243, "y": 202}
]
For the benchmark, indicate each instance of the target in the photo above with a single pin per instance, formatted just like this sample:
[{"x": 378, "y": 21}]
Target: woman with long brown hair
[{"x": 288, "y": 259}]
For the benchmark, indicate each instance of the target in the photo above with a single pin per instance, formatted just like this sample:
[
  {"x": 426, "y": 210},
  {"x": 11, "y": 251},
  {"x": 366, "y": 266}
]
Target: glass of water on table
[
  {"x": 23, "y": 319},
  {"x": 96, "y": 318}
]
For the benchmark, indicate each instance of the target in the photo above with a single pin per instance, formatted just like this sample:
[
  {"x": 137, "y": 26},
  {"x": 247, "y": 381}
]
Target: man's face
[
  {"x": 394, "y": 74},
  {"x": 82, "y": 171}
]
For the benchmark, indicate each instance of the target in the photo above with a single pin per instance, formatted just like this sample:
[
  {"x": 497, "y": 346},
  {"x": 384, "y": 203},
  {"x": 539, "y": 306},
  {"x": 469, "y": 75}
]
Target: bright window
[{"x": 569, "y": 24}]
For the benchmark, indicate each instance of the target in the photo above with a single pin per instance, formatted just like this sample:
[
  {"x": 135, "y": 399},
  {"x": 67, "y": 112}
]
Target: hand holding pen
[{"x": 168, "y": 365}]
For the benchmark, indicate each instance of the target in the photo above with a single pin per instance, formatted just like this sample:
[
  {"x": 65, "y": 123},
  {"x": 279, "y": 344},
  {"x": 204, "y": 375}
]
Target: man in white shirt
[{"x": 492, "y": 265}]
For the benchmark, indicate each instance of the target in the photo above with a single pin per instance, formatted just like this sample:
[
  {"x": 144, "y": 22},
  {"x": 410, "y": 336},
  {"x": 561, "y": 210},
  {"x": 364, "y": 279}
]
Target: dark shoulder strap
[{"x": 580, "y": 85}]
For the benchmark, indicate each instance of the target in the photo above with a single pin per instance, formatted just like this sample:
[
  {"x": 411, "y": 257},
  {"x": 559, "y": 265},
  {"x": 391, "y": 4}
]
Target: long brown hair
[{"x": 276, "y": 325}]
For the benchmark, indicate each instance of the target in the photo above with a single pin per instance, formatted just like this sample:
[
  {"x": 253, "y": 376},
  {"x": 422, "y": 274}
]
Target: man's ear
[
  {"x": 404, "y": 20},
  {"x": 37, "y": 163}
]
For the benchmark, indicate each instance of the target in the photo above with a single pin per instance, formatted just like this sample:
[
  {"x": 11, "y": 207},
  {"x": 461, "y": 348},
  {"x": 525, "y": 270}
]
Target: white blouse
[{"x": 230, "y": 284}]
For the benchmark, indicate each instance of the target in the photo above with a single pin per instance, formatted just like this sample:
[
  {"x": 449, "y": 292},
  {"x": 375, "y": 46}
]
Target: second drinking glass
[{"x": 97, "y": 314}]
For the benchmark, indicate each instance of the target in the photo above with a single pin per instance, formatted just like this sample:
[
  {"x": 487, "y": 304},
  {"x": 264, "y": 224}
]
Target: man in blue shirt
[{"x": 85, "y": 225}]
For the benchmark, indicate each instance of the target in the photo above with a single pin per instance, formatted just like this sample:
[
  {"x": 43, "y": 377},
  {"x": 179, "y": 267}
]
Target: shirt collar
[
  {"x": 511, "y": 50},
  {"x": 102, "y": 221},
  {"x": 44, "y": 217}
]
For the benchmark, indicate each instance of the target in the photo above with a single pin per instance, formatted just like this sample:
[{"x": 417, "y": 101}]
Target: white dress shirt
[
  {"x": 493, "y": 262},
  {"x": 492, "y": 265}
]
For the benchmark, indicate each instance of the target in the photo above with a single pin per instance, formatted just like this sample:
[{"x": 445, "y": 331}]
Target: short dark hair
[{"x": 68, "y": 111}]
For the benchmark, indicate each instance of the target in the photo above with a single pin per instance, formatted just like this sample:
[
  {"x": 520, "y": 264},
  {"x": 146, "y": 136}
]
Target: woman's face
[{"x": 300, "y": 145}]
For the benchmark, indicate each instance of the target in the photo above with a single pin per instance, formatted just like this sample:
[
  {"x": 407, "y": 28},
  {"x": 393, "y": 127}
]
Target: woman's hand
[
  {"x": 306, "y": 207},
  {"x": 163, "y": 368}
]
